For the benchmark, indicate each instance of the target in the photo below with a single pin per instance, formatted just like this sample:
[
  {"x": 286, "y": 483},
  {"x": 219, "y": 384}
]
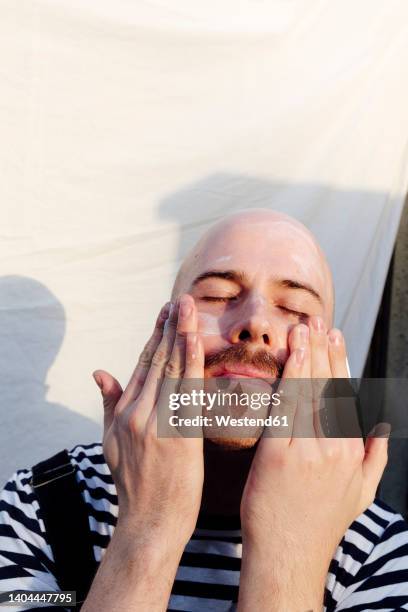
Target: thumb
[
  {"x": 376, "y": 455},
  {"x": 111, "y": 392}
]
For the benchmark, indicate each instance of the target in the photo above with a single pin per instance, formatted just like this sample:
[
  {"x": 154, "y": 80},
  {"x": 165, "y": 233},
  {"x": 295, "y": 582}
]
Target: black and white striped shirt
[{"x": 369, "y": 570}]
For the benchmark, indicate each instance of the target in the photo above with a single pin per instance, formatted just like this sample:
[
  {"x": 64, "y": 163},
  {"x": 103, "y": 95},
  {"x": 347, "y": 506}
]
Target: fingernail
[
  {"x": 317, "y": 324},
  {"x": 382, "y": 430},
  {"x": 98, "y": 380},
  {"x": 300, "y": 355},
  {"x": 335, "y": 337},
  {"x": 185, "y": 309}
]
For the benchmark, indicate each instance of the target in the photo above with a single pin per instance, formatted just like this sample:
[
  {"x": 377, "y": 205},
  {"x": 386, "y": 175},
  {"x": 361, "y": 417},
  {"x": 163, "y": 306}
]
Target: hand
[
  {"x": 302, "y": 493},
  {"x": 158, "y": 480}
]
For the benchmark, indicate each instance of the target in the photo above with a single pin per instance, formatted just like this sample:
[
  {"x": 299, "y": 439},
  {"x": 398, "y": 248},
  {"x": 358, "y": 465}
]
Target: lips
[{"x": 239, "y": 371}]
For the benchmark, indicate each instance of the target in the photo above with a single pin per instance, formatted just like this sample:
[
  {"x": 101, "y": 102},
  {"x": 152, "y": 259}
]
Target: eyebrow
[
  {"x": 230, "y": 275},
  {"x": 293, "y": 284},
  {"x": 237, "y": 276}
]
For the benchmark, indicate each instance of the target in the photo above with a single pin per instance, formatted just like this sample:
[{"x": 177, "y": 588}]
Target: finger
[
  {"x": 375, "y": 458},
  {"x": 295, "y": 369},
  {"x": 320, "y": 370},
  {"x": 303, "y": 423},
  {"x": 186, "y": 324},
  {"x": 175, "y": 366},
  {"x": 319, "y": 348},
  {"x": 193, "y": 379},
  {"x": 111, "y": 393},
  {"x": 189, "y": 387},
  {"x": 138, "y": 377},
  {"x": 298, "y": 340},
  {"x": 152, "y": 383},
  {"x": 298, "y": 337},
  {"x": 343, "y": 413},
  {"x": 185, "y": 365},
  {"x": 337, "y": 354},
  {"x": 168, "y": 363}
]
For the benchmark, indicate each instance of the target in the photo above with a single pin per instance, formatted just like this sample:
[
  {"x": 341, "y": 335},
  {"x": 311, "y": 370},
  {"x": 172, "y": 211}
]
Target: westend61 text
[{"x": 228, "y": 421}]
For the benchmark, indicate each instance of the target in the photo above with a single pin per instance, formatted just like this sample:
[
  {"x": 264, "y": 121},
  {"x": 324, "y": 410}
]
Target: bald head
[{"x": 256, "y": 238}]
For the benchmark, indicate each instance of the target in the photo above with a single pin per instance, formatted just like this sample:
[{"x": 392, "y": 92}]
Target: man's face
[{"x": 253, "y": 279}]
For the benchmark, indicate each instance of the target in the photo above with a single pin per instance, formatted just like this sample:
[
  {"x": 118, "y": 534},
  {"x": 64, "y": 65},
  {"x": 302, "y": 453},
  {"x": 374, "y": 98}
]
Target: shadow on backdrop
[{"x": 32, "y": 328}]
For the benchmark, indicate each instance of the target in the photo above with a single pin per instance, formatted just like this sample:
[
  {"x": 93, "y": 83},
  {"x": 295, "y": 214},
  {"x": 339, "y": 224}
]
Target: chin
[{"x": 234, "y": 444}]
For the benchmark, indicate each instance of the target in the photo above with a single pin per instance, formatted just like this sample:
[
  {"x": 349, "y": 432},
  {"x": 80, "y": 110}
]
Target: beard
[{"x": 240, "y": 354}]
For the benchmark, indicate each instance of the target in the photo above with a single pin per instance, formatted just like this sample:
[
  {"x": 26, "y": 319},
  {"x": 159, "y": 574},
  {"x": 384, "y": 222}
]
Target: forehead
[{"x": 262, "y": 249}]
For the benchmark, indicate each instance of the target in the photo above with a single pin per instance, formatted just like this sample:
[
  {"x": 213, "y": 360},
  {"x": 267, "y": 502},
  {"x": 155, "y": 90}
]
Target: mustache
[{"x": 239, "y": 354}]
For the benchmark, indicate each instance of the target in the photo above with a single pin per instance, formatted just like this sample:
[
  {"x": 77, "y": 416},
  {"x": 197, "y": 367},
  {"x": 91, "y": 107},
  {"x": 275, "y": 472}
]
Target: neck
[{"x": 225, "y": 475}]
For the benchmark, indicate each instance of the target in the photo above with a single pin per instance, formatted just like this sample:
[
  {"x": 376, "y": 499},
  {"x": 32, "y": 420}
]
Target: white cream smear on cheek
[{"x": 209, "y": 324}]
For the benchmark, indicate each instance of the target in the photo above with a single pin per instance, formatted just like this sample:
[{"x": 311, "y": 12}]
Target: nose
[{"x": 252, "y": 324}]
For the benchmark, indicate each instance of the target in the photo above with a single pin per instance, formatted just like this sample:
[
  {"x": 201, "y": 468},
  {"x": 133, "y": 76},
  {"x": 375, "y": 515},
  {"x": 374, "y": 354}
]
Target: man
[{"x": 275, "y": 524}]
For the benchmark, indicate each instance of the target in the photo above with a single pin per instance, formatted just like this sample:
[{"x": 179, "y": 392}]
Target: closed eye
[
  {"x": 294, "y": 312},
  {"x": 211, "y": 298}
]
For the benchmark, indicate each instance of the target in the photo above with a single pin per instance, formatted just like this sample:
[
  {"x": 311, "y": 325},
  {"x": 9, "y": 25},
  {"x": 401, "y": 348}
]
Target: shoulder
[
  {"x": 19, "y": 505},
  {"x": 98, "y": 491},
  {"x": 90, "y": 461},
  {"x": 92, "y": 473},
  {"x": 371, "y": 562},
  {"x": 25, "y": 544},
  {"x": 26, "y": 559}
]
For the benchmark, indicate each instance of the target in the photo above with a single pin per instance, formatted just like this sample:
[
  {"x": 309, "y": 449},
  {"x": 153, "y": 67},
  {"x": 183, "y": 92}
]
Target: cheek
[
  {"x": 208, "y": 325},
  {"x": 211, "y": 344}
]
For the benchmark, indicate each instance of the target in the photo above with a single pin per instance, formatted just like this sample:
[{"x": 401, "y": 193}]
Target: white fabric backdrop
[{"x": 128, "y": 126}]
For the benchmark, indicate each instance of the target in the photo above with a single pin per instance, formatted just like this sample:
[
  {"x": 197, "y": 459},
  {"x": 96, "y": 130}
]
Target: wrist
[
  {"x": 136, "y": 573},
  {"x": 155, "y": 545},
  {"x": 279, "y": 580}
]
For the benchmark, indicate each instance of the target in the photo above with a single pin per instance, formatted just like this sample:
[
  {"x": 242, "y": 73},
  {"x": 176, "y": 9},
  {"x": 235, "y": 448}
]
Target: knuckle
[
  {"x": 171, "y": 325},
  {"x": 160, "y": 356},
  {"x": 173, "y": 369},
  {"x": 150, "y": 436},
  {"x": 146, "y": 355},
  {"x": 333, "y": 452},
  {"x": 180, "y": 339},
  {"x": 184, "y": 387},
  {"x": 279, "y": 459},
  {"x": 144, "y": 399},
  {"x": 131, "y": 420},
  {"x": 312, "y": 461},
  {"x": 319, "y": 339},
  {"x": 357, "y": 451},
  {"x": 305, "y": 392},
  {"x": 117, "y": 411}
]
